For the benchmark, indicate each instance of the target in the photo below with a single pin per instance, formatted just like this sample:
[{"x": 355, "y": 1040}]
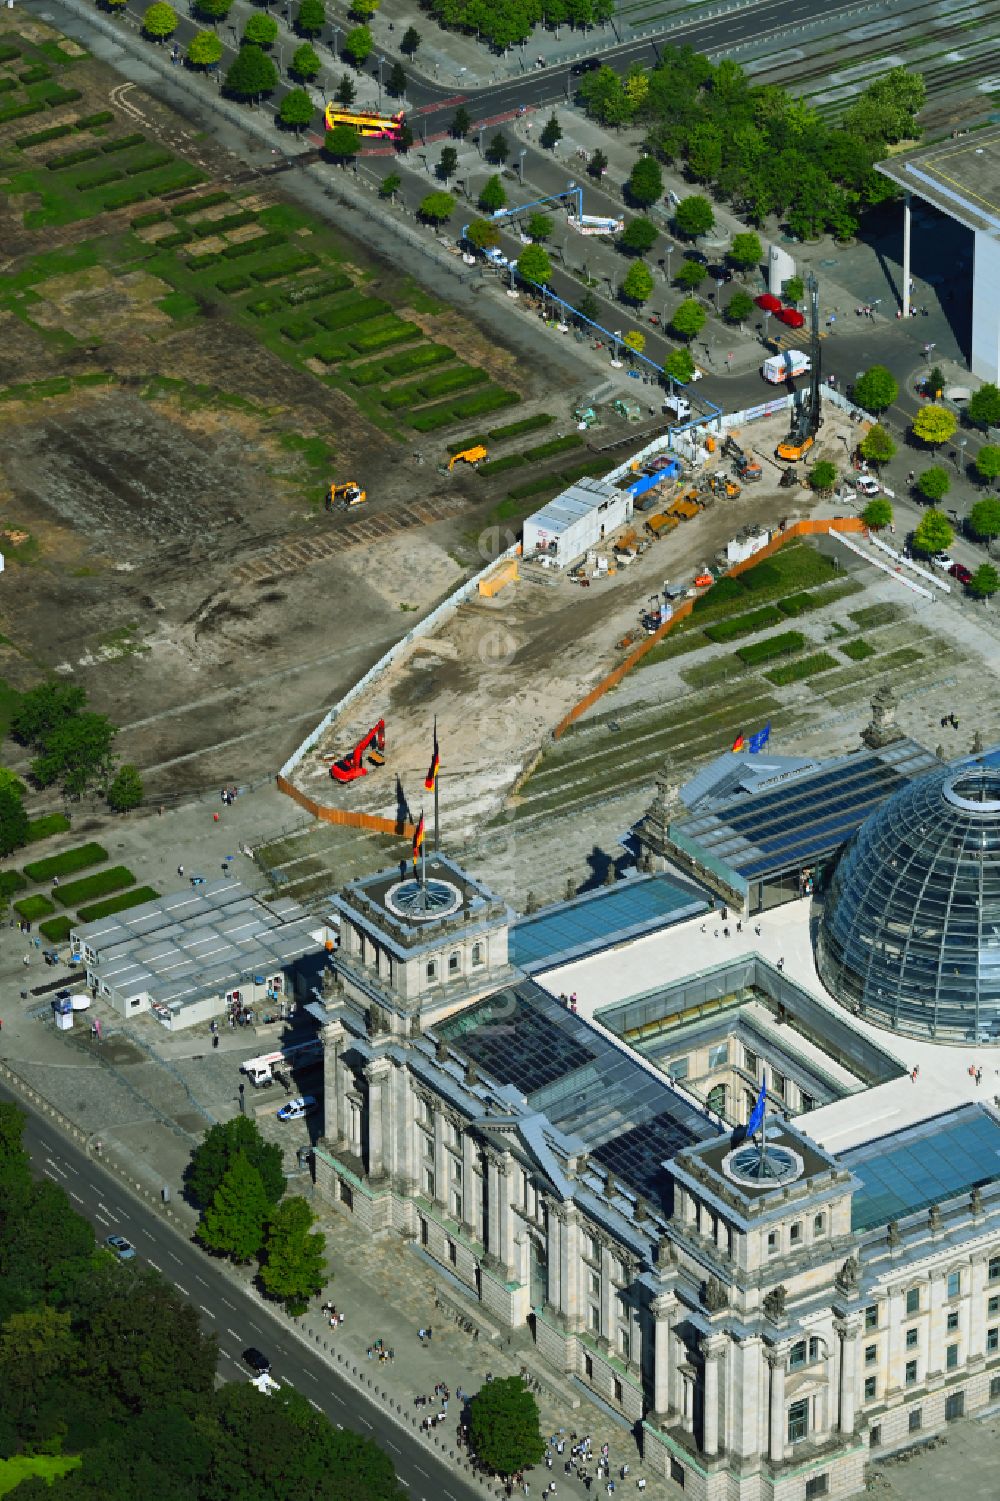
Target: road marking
[
  {"x": 365, "y": 1421},
  {"x": 205, "y": 1310},
  {"x": 45, "y": 1144},
  {"x": 103, "y": 1220},
  {"x": 229, "y": 1305},
  {"x": 421, "y": 1472},
  {"x": 233, "y": 1333},
  {"x": 55, "y": 1166},
  {"x": 339, "y": 1401},
  {"x": 391, "y": 1445},
  {"x": 310, "y": 1375},
  {"x": 50, "y": 1175},
  {"x": 156, "y": 1268},
  {"x": 403, "y": 1482},
  {"x": 256, "y": 1326},
  {"x": 341, "y": 1427},
  {"x": 176, "y": 1258},
  {"x": 314, "y": 1404},
  {"x": 75, "y": 1196},
  {"x": 182, "y": 1290},
  {"x": 201, "y": 1280}
]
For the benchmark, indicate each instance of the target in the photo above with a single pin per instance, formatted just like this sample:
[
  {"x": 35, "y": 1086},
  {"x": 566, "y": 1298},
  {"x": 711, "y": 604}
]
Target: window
[
  {"x": 750, "y": 1062},
  {"x": 718, "y": 1055},
  {"x": 871, "y": 1354},
  {"x": 595, "y": 1285},
  {"x": 679, "y": 1068},
  {"x": 454, "y": 963},
  {"x": 952, "y": 1321},
  {"x": 954, "y": 1407},
  {"x": 589, "y": 1247},
  {"x": 456, "y": 1206},
  {"x": 954, "y": 1284},
  {"x": 798, "y": 1422},
  {"x": 951, "y": 1358},
  {"x": 992, "y": 1341},
  {"x": 815, "y": 1349},
  {"x": 911, "y": 1373},
  {"x": 618, "y": 1390},
  {"x": 912, "y": 1336},
  {"x": 677, "y": 1473},
  {"x": 428, "y": 1144},
  {"x": 595, "y": 1319},
  {"x": 871, "y": 1388},
  {"x": 453, "y": 1253},
  {"x": 477, "y": 953},
  {"x": 432, "y": 969},
  {"x": 588, "y": 1367},
  {"x": 772, "y": 1243},
  {"x": 995, "y": 1386},
  {"x": 875, "y": 1436},
  {"x": 817, "y": 1485},
  {"x": 993, "y": 1307},
  {"x": 916, "y": 1420},
  {"x": 871, "y": 1316},
  {"x": 429, "y": 1182},
  {"x": 456, "y": 1170},
  {"x": 424, "y": 1232},
  {"x": 797, "y": 1355},
  {"x": 624, "y": 1344},
  {"x": 913, "y": 1300},
  {"x": 819, "y": 1228},
  {"x": 993, "y": 1270},
  {"x": 778, "y": 1085},
  {"x": 808, "y": 1103},
  {"x": 795, "y": 1233},
  {"x": 134, "y": 1004}
]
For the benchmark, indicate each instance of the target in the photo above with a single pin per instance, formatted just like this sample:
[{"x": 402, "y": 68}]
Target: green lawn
[
  {"x": 46, "y": 826},
  {"x": 120, "y": 903},
  {"x": 24, "y": 1466},
  {"x": 31, "y": 908},
  {"x": 68, "y": 863},
  {"x": 99, "y": 884},
  {"x": 56, "y": 929}
]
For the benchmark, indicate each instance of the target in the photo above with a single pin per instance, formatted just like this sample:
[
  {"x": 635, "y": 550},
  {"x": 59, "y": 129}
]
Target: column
[
  {"x": 505, "y": 1250},
  {"x": 492, "y": 1216},
  {"x": 712, "y": 1349},
  {"x": 376, "y": 1075},
  {"x": 609, "y": 1312},
  {"x": 553, "y": 1251},
  {"x": 975, "y": 1325},
  {"x": 776, "y": 1445},
  {"x": 333, "y": 1092},
  {"x": 440, "y": 1161},
  {"x": 937, "y": 1337},
  {"x": 906, "y": 254},
  {"x": 662, "y": 1310},
  {"x": 569, "y": 1266},
  {"x": 847, "y": 1331}
]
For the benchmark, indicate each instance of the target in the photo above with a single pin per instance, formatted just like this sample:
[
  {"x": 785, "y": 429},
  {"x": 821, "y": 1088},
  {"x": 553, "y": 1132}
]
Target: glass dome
[{"x": 910, "y": 932}]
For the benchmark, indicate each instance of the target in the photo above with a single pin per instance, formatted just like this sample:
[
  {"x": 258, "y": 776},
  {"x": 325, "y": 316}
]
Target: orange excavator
[{"x": 350, "y": 767}]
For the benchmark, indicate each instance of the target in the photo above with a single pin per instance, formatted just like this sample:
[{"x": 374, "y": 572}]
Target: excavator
[
  {"x": 352, "y": 766},
  {"x": 345, "y": 496},
  {"x": 747, "y": 468},
  {"x": 807, "y": 419},
  {"x": 468, "y": 455}
]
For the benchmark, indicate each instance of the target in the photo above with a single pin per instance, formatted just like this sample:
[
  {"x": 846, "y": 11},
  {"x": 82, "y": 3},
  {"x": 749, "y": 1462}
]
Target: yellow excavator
[
  {"x": 345, "y": 496},
  {"x": 468, "y": 456}
]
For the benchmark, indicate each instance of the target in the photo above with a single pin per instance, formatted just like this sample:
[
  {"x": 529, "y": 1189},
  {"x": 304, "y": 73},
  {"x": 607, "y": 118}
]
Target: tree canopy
[
  {"x": 983, "y": 406},
  {"x": 635, "y": 340},
  {"x": 310, "y": 18},
  {"x": 934, "y": 483},
  {"x": 739, "y": 307},
  {"x": 823, "y": 477},
  {"x": 534, "y": 265},
  {"x": 876, "y": 389},
  {"x": 233, "y": 1223},
  {"x": 221, "y": 1145},
  {"x": 252, "y": 72},
  {"x": 483, "y": 234},
  {"x": 551, "y": 133},
  {"x": 305, "y": 64},
  {"x": 13, "y": 821},
  {"x": 160, "y": 20},
  {"x": 645, "y": 183},
  {"x": 746, "y": 251},
  {"x": 204, "y": 49},
  {"x": 461, "y": 123},
  {"x": 984, "y": 582},
  {"x": 358, "y": 44},
  {"x": 261, "y": 30},
  {"x": 503, "y": 1426},
  {"x": 492, "y": 196},
  {"x": 539, "y": 226},
  {"x": 497, "y": 149},
  {"x": 679, "y": 365},
  {"x": 877, "y": 513},
  {"x": 447, "y": 163},
  {"x": 294, "y": 1263},
  {"x": 694, "y": 216},
  {"x": 690, "y": 275},
  {"x": 984, "y": 518},
  {"x": 934, "y": 424},
  {"x": 688, "y": 319},
  {"x": 933, "y": 534},
  {"x": 437, "y": 208},
  {"x": 342, "y": 142},
  {"x": 640, "y": 235},
  {"x": 125, "y": 792},
  {"x": 638, "y": 283},
  {"x": 988, "y": 461},
  {"x": 297, "y": 109},
  {"x": 877, "y": 446}
]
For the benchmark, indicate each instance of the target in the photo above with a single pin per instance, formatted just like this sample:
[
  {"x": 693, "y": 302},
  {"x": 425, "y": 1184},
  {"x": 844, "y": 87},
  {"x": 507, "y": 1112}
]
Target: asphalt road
[{"x": 236, "y": 1319}]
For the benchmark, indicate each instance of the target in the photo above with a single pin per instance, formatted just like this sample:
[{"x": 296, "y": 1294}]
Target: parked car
[
  {"x": 720, "y": 273},
  {"x": 296, "y": 1109},
  {"x": 866, "y": 485},
  {"x": 790, "y": 316},
  {"x": 588, "y": 65},
  {"x": 256, "y": 1360},
  {"x": 123, "y": 1249},
  {"x": 944, "y": 561},
  {"x": 960, "y": 572}
]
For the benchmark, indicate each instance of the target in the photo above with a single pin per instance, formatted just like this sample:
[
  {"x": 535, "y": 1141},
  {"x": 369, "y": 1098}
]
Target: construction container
[
  {"x": 499, "y": 579},
  {"x": 684, "y": 509},
  {"x": 661, "y": 524},
  {"x": 581, "y": 517}
]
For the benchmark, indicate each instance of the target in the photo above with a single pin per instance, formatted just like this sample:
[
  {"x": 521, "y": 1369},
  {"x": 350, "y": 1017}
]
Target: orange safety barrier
[
  {"x": 344, "y": 818},
  {"x": 797, "y": 529}
]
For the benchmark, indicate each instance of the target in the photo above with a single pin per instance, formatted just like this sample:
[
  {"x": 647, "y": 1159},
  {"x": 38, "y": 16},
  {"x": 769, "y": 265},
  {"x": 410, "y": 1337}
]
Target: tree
[
  {"x": 358, "y": 45},
  {"x": 534, "y": 265},
  {"x": 984, "y": 406},
  {"x": 690, "y": 275},
  {"x": 934, "y": 424},
  {"x": 877, "y": 445},
  {"x": 390, "y": 186},
  {"x": 640, "y": 236},
  {"x": 461, "y": 124},
  {"x": 204, "y": 50},
  {"x": 984, "y": 582},
  {"x": 411, "y": 41},
  {"x": 598, "y": 164},
  {"x": 688, "y": 319},
  {"x": 43, "y": 709},
  {"x": 77, "y": 754},
  {"x": 876, "y": 389},
  {"x": 346, "y": 89},
  {"x": 342, "y": 142},
  {"x": 498, "y": 149},
  {"x": 589, "y": 307},
  {"x": 988, "y": 461},
  {"x": 13, "y": 822},
  {"x": 794, "y": 289},
  {"x": 306, "y": 64},
  {"x": 823, "y": 477},
  {"x": 746, "y": 252},
  {"x": 160, "y": 20},
  {"x": 635, "y": 340},
  {"x": 551, "y": 133},
  {"x": 694, "y": 216},
  {"x": 125, "y": 792},
  {"x": 363, "y": 10},
  {"x": 482, "y": 234},
  {"x": 11, "y": 782},
  {"x": 437, "y": 208},
  {"x": 934, "y": 382},
  {"x": 233, "y": 1223},
  {"x": 638, "y": 283},
  {"x": 934, "y": 483},
  {"x": 933, "y": 534},
  {"x": 311, "y": 18},
  {"x": 539, "y": 226},
  {"x": 396, "y": 82},
  {"x": 404, "y": 138},
  {"x": 447, "y": 163},
  {"x": 877, "y": 514},
  {"x": 492, "y": 197},
  {"x": 218, "y": 1150},
  {"x": 645, "y": 183},
  {"x": 679, "y": 366},
  {"x": 260, "y": 30},
  {"x": 297, "y": 109},
  {"x": 503, "y": 1427},
  {"x": 252, "y": 73},
  {"x": 984, "y": 518},
  {"x": 739, "y": 307},
  {"x": 213, "y": 10},
  {"x": 294, "y": 1267}
]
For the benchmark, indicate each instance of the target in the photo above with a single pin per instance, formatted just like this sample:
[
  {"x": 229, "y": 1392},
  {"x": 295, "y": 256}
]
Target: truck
[
  {"x": 786, "y": 366},
  {"x": 260, "y": 1071},
  {"x": 678, "y": 408},
  {"x": 595, "y": 224}
]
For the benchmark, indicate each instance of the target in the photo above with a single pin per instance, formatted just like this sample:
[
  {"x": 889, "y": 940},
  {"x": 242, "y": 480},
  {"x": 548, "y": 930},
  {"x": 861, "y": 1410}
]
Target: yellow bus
[{"x": 368, "y": 125}]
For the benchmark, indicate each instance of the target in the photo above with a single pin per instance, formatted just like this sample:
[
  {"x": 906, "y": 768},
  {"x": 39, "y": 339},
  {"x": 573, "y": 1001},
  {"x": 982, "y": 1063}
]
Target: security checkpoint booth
[{"x": 580, "y": 518}]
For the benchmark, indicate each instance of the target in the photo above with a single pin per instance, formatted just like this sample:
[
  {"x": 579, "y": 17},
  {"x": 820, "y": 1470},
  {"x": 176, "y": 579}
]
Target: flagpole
[
  {"x": 763, "y": 1131},
  {"x": 437, "y": 815}
]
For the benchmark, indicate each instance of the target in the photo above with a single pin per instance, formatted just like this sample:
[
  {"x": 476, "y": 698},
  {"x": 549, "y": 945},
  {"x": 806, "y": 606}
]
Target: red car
[
  {"x": 790, "y": 316},
  {"x": 960, "y": 572}
]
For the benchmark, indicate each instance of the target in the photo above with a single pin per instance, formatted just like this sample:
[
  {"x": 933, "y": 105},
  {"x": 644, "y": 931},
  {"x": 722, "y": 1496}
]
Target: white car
[
  {"x": 296, "y": 1109},
  {"x": 496, "y": 257},
  {"x": 942, "y": 560},
  {"x": 865, "y": 485}
]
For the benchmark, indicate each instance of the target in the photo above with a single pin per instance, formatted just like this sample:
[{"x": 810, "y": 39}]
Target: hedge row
[
  {"x": 123, "y": 143},
  {"x": 798, "y": 604},
  {"x": 31, "y": 908},
  {"x": 144, "y": 221},
  {"x": 554, "y": 446},
  {"x": 18, "y": 111},
  {"x": 466, "y": 406},
  {"x": 11, "y": 881},
  {"x": 500, "y": 466},
  {"x": 438, "y": 385},
  {"x": 297, "y": 330},
  {"x": 72, "y": 158},
  {"x": 56, "y": 94},
  {"x": 231, "y": 284},
  {"x": 46, "y": 825},
  {"x": 395, "y": 332},
  {"x": 808, "y": 667},
  {"x": 206, "y": 227},
  {"x": 57, "y": 929},
  {"x": 774, "y": 646},
  {"x": 192, "y": 205},
  {"x": 511, "y": 430},
  {"x": 37, "y": 73},
  {"x": 67, "y": 863},
  {"x": 90, "y": 122},
  {"x": 7, "y": 85},
  {"x": 119, "y": 903},
  {"x": 54, "y": 133},
  {"x": 98, "y": 180},
  {"x": 8, "y": 53},
  {"x": 744, "y": 625},
  {"x": 857, "y": 650},
  {"x": 262, "y": 307},
  {"x": 285, "y": 265},
  {"x": 99, "y": 884},
  {"x": 311, "y": 291},
  {"x": 359, "y": 309}
]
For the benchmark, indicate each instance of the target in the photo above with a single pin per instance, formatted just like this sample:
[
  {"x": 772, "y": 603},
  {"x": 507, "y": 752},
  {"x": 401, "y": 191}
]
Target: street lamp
[
  {"x": 767, "y": 323},
  {"x": 380, "y": 62},
  {"x": 520, "y": 166},
  {"x": 960, "y": 456},
  {"x": 480, "y": 142},
  {"x": 670, "y": 251}
]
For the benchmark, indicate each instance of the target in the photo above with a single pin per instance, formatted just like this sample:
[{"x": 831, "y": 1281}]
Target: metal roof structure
[
  {"x": 730, "y": 774},
  {"x": 578, "y": 500},
  {"x": 599, "y": 919},
  {"x": 925, "y": 1164},
  {"x": 197, "y": 942},
  {"x": 960, "y": 177}
]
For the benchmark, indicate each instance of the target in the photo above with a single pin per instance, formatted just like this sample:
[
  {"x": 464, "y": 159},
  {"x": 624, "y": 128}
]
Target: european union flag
[
  {"x": 757, "y": 1114},
  {"x": 758, "y": 741}
]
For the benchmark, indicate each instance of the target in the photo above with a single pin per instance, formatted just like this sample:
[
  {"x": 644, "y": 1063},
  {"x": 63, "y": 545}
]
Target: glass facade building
[{"x": 911, "y": 924}]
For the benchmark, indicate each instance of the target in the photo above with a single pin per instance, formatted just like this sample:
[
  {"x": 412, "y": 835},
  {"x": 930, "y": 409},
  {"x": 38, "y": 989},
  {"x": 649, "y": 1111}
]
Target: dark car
[
  {"x": 257, "y": 1360},
  {"x": 960, "y": 572},
  {"x": 588, "y": 65},
  {"x": 720, "y": 273}
]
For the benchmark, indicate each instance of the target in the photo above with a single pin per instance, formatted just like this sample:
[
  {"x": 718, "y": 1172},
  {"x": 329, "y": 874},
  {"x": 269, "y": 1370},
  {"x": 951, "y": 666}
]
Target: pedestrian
[
  {"x": 739, "y": 925},
  {"x": 641, "y": 1483},
  {"x": 781, "y": 965},
  {"x": 55, "y": 880},
  {"x": 180, "y": 870},
  {"x": 913, "y": 1076},
  {"x": 215, "y": 1039},
  {"x": 979, "y": 1076},
  {"x": 25, "y": 960},
  {"x": 756, "y": 928}
]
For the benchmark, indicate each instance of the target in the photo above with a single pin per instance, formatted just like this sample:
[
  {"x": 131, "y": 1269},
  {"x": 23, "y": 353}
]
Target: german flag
[
  {"x": 431, "y": 778},
  {"x": 739, "y": 742},
  {"x": 418, "y": 839}
]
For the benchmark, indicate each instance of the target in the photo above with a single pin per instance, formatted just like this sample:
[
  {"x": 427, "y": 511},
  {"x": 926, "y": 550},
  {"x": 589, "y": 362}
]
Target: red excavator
[{"x": 350, "y": 767}]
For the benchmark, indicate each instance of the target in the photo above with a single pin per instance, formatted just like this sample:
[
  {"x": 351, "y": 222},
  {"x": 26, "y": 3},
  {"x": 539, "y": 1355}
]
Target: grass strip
[
  {"x": 774, "y": 646},
  {"x": 119, "y": 903},
  {"x": 807, "y": 667},
  {"x": 67, "y": 863},
  {"x": 56, "y": 929},
  {"x": 99, "y": 884},
  {"x": 31, "y": 908},
  {"x": 47, "y": 825}
]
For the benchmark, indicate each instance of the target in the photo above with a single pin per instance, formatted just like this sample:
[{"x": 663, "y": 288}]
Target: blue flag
[
  {"x": 758, "y": 741},
  {"x": 757, "y": 1114}
]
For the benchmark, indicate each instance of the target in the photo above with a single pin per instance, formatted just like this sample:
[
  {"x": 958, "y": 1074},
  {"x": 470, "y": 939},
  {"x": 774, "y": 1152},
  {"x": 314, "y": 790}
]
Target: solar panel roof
[
  {"x": 512, "y": 1038},
  {"x": 923, "y": 1165},
  {"x": 600, "y": 919}
]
